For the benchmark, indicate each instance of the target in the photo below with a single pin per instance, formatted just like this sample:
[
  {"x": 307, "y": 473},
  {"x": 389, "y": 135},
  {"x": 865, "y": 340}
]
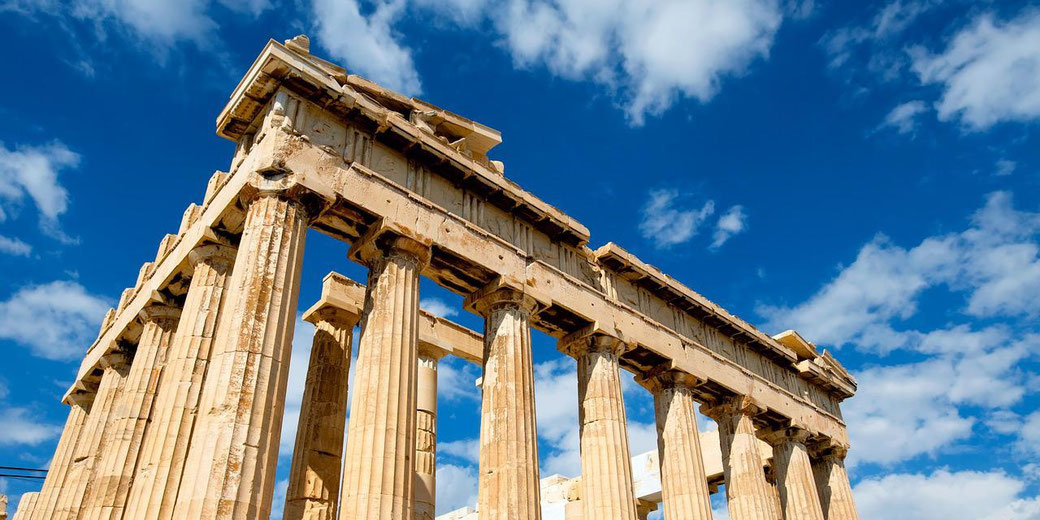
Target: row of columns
[{"x": 187, "y": 424}]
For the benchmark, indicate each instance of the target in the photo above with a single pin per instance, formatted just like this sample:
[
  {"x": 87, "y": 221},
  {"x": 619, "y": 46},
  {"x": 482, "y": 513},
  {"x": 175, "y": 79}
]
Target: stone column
[
  {"x": 832, "y": 481},
  {"x": 120, "y": 448},
  {"x": 46, "y": 501},
  {"x": 426, "y": 434},
  {"x": 3, "y": 506},
  {"x": 27, "y": 505},
  {"x": 794, "y": 476},
  {"x": 748, "y": 494},
  {"x": 318, "y": 453},
  {"x": 508, "y": 487},
  {"x": 684, "y": 484},
  {"x": 606, "y": 466},
  {"x": 379, "y": 476},
  {"x": 229, "y": 473},
  {"x": 158, "y": 474},
  {"x": 86, "y": 455}
]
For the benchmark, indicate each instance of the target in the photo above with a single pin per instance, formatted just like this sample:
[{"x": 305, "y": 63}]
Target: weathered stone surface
[
  {"x": 379, "y": 477},
  {"x": 229, "y": 472},
  {"x": 832, "y": 482},
  {"x": 508, "y": 486},
  {"x": 748, "y": 494},
  {"x": 314, "y": 477},
  {"x": 26, "y": 507},
  {"x": 606, "y": 471},
  {"x": 426, "y": 434},
  {"x": 158, "y": 473},
  {"x": 794, "y": 475},
  {"x": 46, "y": 500}
]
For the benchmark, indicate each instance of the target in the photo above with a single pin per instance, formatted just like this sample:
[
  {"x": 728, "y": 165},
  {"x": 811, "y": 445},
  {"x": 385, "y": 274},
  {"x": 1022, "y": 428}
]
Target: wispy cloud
[
  {"x": 732, "y": 222},
  {"x": 32, "y": 172},
  {"x": 903, "y": 118},
  {"x": 22, "y": 428},
  {"x": 437, "y": 307},
  {"x": 666, "y": 225},
  {"x": 14, "y": 246}
]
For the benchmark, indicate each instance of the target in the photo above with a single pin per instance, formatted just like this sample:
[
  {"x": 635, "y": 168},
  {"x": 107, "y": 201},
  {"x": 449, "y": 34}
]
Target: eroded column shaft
[
  {"x": 508, "y": 481},
  {"x": 234, "y": 448},
  {"x": 27, "y": 506},
  {"x": 794, "y": 476},
  {"x": 45, "y": 502},
  {"x": 748, "y": 494},
  {"x": 684, "y": 485},
  {"x": 314, "y": 481},
  {"x": 426, "y": 438},
  {"x": 379, "y": 475},
  {"x": 86, "y": 454},
  {"x": 120, "y": 448},
  {"x": 606, "y": 467},
  {"x": 158, "y": 474},
  {"x": 832, "y": 482}
]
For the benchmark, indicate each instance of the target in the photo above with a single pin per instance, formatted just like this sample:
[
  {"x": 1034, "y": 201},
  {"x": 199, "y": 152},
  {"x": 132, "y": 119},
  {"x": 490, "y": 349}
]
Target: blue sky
[{"x": 863, "y": 172}]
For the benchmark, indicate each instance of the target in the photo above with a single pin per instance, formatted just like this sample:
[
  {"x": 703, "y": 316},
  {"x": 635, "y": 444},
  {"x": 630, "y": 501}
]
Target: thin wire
[
  {"x": 24, "y": 469},
  {"x": 24, "y": 477}
]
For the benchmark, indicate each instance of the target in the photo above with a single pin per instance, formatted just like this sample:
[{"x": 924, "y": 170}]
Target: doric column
[
  {"x": 684, "y": 484},
  {"x": 158, "y": 473},
  {"x": 47, "y": 499},
  {"x": 229, "y": 473},
  {"x": 426, "y": 434},
  {"x": 508, "y": 486},
  {"x": 794, "y": 475},
  {"x": 318, "y": 453},
  {"x": 606, "y": 466},
  {"x": 379, "y": 476},
  {"x": 119, "y": 450},
  {"x": 747, "y": 492},
  {"x": 86, "y": 455},
  {"x": 27, "y": 506},
  {"x": 832, "y": 481}
]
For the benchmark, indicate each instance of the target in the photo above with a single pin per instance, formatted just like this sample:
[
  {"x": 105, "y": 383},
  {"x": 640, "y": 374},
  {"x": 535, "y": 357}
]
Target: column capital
[
  {"x": 656, "y": 380},
  {"x": 497, "y": 294},
  {"x": 730, "y": 406},
  {"x": 431, "y": 352},
  {"x": 784, "y": 434},
  {"x": 591, "y": 339},
  {"x": 211, "y": 252},
  {"x": 277, "y": 181},
  {"x": 830, "y": 452},
  {"x": 381, "y": 241},
  {"x": 160, "y": 313}
]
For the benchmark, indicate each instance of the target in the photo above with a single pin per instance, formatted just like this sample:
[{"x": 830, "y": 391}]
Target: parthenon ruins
[{"x": 177, "y": 408}]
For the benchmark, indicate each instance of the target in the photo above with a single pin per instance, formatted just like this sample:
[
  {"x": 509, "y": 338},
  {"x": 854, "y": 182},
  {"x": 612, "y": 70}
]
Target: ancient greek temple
[{"x": 177, "y": 408}]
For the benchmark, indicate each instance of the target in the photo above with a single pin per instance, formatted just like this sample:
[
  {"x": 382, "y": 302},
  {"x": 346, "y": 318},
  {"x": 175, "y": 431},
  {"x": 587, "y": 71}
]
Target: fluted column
[
  {"x": 379, "y": 476},
  {"x": 85, "y": 458},
  {"x": 508, "y": 486},
  {"x": 27, "y": 506},
  {"x": 684, "y": 484},
  {"x": 832, "y": 482},
  {"x": 229, "y": 473},
  {"x": 606, "y": 466},
  {"x": 794, "y": 476},
  {"x": 119, "y": 450},
  {"x": 426, "y": 434},
  {"x": 748, "y": 494},
  {"x": 318, "y": 453},
  {"x": 158, "y": 473},
  {"x": 45, "y": 502}
]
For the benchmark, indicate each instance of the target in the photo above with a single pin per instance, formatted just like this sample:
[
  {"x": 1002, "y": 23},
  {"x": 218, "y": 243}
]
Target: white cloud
[
  {"x": 871, "y": 41},
  {"x": 667, "y": 226},
  {"x": 21, "y": 428},
  {"x": 368, "y": 43},
  {"x": 456, "y": 487},
  {"x": 161, "y": 21},
  {"x": 1029, "y": 433},
  {"x": 32, "y": 171},
  {"x": 456, "y": 380},
  {"x": 437, "y": 307},
  {"x": 1005, "y": 167},
  {"x": 903, "y": 117},
  {"x": 732, "y": 222},
  {"x": 57, "y": 320},
  {"x": 466, "y": 449},
  {"x": 989, "y": 72},
  {"x": 14, "y": 246},
  {"x": 943, "y": 495}
]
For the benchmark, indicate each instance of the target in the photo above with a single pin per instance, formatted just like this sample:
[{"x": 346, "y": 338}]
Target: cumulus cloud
[
  {"x": 457, "y": 487},
  {"x": 368, "y": 43},
  {"x": 465, "y": 449},
  {"x": 903, "y": 118},
  {"x": 987, "y": 48},
  {"x": 732, "y": 222},
  {"x": 22, "y": 428},
  {"x": 944, "y": 494},
  {"x": 31, "y": 172},
  {"x": 58, "y": 320},
  {"x": 665, "y": 225}
]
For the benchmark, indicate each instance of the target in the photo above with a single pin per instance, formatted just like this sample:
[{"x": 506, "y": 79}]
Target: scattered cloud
[
  {"x": 32, "y": 172},
  {"x": 985, "y": 49},
  {"x": 457, "y": 487},
  {"x": 58, "y": 320},
  {"x": 437, "y": 307},
  {"x": 872, "y": 43},
  {"x": 732, "y": 222},
  {"x": 465, "y": 449},
  {"x": 903, "y": 118},
  {"x": 1005, "y": 167},
  {"x": 368, "y": 44},
  {"x": 665, "y": 225},
  {"x": 456, "y": 380},
  {"x": 944, "y": 494},
  {"x": 14, "y": 246},
  {"x": 21, "y": 428}
]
